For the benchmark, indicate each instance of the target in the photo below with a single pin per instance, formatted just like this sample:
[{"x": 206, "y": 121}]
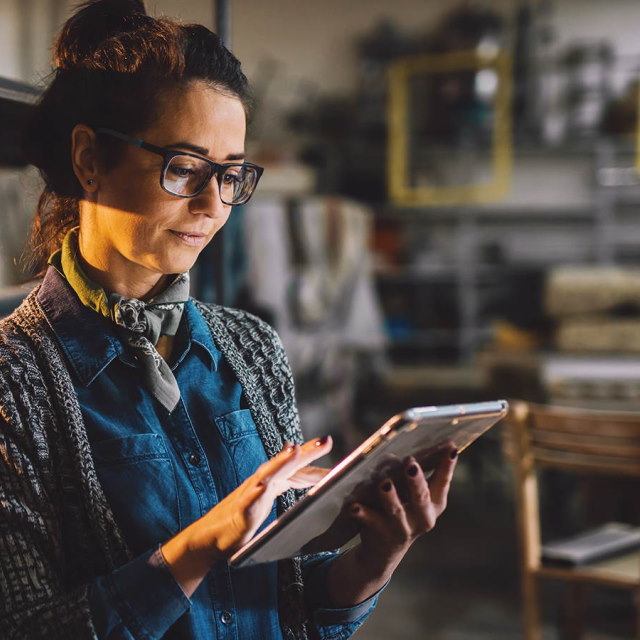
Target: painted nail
[
  {"x": 322, "y": 441},
  {"x": 412, "y": 470},
  {"x": 386, "y": 486},
  {"x": 454, "y": 454}
]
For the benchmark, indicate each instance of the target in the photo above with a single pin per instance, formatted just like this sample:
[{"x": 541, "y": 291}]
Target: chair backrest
[{"x": 579, "y": 440}]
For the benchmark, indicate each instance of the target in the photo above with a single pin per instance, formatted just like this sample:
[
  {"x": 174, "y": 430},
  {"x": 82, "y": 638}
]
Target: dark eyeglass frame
[{"x": 215, "y": 169}]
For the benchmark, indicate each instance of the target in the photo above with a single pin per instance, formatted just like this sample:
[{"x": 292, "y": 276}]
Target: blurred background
[{"x": 450, "y": 211}]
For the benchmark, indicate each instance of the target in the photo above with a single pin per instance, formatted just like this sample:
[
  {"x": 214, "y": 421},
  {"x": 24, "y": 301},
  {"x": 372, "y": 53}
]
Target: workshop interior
[{"x": 449, "y": 213}]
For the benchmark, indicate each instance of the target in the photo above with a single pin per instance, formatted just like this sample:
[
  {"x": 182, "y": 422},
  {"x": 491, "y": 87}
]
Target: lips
[{"x": 191, "y": 238}]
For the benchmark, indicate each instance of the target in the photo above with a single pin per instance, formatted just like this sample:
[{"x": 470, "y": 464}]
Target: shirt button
[
  {"x": 195, "y": 459},
  {"x": 226, "y": 617}
]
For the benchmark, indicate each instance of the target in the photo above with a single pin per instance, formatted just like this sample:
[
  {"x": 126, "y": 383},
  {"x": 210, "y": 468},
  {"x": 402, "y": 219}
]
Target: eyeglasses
[{"x": 186, "y": 175}]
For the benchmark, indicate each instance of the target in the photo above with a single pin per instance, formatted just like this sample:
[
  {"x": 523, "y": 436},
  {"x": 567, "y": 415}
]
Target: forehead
[{"x": 201, "y": 115}]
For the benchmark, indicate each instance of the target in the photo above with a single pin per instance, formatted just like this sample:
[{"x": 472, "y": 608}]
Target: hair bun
[{"x": 93, "y": 23}]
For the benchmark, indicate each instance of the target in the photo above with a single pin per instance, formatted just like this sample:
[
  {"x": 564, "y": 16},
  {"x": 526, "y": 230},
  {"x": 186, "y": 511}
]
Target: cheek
[{"x": 132, "y": 233}]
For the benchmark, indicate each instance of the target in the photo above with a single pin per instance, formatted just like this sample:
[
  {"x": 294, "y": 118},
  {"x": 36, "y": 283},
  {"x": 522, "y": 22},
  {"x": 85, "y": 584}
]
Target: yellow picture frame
[
  {"x": 399, "y": 74},
  {"x": 638, "y": 131}
]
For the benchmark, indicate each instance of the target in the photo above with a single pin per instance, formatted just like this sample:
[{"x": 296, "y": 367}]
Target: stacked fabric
[{"x": 597, "y": 308}]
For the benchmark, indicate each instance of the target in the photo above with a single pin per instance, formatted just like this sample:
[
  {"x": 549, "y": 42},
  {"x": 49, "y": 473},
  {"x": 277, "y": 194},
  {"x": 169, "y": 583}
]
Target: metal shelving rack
[{"x": 613, "y": 183}]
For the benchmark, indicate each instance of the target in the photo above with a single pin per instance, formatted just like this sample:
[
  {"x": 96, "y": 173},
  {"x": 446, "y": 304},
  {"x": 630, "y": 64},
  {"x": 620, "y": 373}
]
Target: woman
[{"x": 146, "y": 436}]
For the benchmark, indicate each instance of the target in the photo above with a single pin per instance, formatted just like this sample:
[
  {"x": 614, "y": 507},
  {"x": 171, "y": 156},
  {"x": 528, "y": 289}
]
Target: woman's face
[{"x": 131, "y": 231}]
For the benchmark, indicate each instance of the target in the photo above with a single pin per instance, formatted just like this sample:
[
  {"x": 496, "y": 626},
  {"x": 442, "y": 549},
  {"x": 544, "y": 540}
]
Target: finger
[
  {"x": 273, "y": 465},
  {"x": 281, "y": 467},
  {"x": 367, "y": 517},
  {"x": 392, "y": 505},
  {"x": 440, "y": 481},
  {"x": 251, "y": 494},
  {"x": 305, "y": 454},
  {"x": 307, "y": 477},
  {"x": 417, "y": 485},
  {"x": 419, "y": 496},
  {"x": 316, "y": 448}
]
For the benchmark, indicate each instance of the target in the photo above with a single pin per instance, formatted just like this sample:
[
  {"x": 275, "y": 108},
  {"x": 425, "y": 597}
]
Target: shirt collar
[{"x": 90, "y": 341}]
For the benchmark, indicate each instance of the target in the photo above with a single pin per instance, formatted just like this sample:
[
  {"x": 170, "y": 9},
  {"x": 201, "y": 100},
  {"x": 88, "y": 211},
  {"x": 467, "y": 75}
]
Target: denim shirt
[{"x": 161, "y": 471}]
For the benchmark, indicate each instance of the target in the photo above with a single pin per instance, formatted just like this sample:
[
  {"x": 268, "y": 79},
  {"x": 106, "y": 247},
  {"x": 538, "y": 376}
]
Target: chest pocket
[
  {"x": 138, "y": 478},
  {"x": 240, "y": 436}
]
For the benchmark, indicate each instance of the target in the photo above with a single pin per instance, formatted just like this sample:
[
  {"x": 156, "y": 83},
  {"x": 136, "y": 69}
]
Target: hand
[
  {"x": 389, "y": 529},
  {"x": 234, "y": 520},
  {"x": 387, "y": 532}
]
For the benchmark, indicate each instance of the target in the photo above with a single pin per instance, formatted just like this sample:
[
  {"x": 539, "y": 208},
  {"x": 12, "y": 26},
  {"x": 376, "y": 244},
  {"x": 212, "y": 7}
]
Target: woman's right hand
[{"x": 236, "y": 518}]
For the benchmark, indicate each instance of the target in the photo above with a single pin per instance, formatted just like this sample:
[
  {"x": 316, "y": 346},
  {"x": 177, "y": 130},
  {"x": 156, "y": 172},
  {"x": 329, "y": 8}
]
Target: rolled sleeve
[
  {"x": 141, "y": 599},
  {"x": 332, "y": 623}
]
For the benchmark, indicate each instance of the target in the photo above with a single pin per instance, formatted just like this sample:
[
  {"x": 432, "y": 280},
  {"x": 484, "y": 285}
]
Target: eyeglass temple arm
[{"x": 135, "y": 141}]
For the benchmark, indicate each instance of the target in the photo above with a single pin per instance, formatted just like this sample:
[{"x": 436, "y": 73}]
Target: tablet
[{"x": 423, "y": 432}]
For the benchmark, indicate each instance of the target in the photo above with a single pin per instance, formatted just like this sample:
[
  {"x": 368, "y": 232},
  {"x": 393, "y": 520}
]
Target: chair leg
[
  {"x": 574, "y": 610},
  {"x": 530, "y": 608},
  {"x": 636, "y": 602}
]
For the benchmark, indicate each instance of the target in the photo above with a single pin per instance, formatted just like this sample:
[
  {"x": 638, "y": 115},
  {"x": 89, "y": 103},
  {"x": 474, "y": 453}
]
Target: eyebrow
[{"x": 201, "y": 150}]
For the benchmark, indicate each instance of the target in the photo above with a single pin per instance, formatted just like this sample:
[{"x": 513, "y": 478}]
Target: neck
[
  {"x": 115, "y": 274},
  {"x": 143, "y": 288}
]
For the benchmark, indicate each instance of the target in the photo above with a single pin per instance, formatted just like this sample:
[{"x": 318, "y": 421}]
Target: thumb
[
  {"x": 365, "y": 516},
  {"x": 307, "y": 477}
]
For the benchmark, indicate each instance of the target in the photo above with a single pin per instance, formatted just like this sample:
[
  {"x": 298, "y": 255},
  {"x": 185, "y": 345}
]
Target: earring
[{"x": 90, "y": 182}]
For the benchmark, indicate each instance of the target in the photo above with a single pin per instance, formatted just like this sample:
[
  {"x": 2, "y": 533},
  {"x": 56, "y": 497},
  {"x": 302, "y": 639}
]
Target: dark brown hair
[{"x": 112, "y": 64}]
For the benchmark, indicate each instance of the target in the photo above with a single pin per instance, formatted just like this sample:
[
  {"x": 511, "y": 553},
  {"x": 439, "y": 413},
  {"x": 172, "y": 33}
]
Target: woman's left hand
[
  {"x": 387, "y": 531},
  {"x": 405, "y": 509}
]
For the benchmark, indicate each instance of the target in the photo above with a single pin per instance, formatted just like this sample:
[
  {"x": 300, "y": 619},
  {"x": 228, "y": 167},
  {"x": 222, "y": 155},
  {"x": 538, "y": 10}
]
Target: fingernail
[
  {"x": 413, "y": 470},
  {"x": 355, "y": 509},
  {"x": 454, "y": 454},
  {"x": 322, "y": 441},
  {"x": 288, "y": 446},
  {"x": 386, "y": 486}
]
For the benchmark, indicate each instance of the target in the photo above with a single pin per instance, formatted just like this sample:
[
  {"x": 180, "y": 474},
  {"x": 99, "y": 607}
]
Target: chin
[{"x": 179, "y": 263}]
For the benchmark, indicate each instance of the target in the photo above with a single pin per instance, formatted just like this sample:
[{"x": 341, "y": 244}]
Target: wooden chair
[{"x": 581, "y": 441}]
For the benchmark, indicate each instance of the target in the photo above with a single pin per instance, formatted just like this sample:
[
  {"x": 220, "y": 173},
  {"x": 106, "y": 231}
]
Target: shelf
[
  {"x": 559, "y": 211},
  {"x": 446, "y": 275},
  {"x": 481, "y": 273},
  {"x": 14, "y": 91},
  {"x": 427, "y": 338},
  {"x": 500, "y": 212}
]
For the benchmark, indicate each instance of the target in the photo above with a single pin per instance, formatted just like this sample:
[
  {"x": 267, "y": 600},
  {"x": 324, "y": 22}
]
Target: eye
[
  {"x": 181, "y": 171},
  {"x": 233, "y": 175}
]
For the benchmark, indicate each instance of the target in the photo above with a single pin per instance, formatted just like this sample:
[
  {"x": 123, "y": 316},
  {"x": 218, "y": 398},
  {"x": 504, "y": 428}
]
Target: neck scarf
[{"x": 140, "y": 323}]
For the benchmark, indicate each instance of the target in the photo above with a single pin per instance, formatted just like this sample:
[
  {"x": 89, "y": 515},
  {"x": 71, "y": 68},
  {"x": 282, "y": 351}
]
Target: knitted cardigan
[{"x": 57, "y": 531}]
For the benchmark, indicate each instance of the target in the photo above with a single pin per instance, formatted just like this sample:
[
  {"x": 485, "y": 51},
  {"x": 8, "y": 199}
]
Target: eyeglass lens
[{"x": 186, "y": 176}]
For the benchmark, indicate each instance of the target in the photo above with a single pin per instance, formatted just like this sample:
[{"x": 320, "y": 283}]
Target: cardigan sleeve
[{"x": 33, "y": 600}]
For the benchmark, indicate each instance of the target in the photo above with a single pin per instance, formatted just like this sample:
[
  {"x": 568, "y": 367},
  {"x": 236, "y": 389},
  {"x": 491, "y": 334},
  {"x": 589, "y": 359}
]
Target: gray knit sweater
[{"x": 57, "y": 532}]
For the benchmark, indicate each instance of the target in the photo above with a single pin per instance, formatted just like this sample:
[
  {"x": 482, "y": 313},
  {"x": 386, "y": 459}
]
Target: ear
[{"x": 84, "y": 157}]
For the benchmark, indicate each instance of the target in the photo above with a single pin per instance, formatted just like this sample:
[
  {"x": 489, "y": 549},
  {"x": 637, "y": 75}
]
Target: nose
[{"x": 208, "y": 201}]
